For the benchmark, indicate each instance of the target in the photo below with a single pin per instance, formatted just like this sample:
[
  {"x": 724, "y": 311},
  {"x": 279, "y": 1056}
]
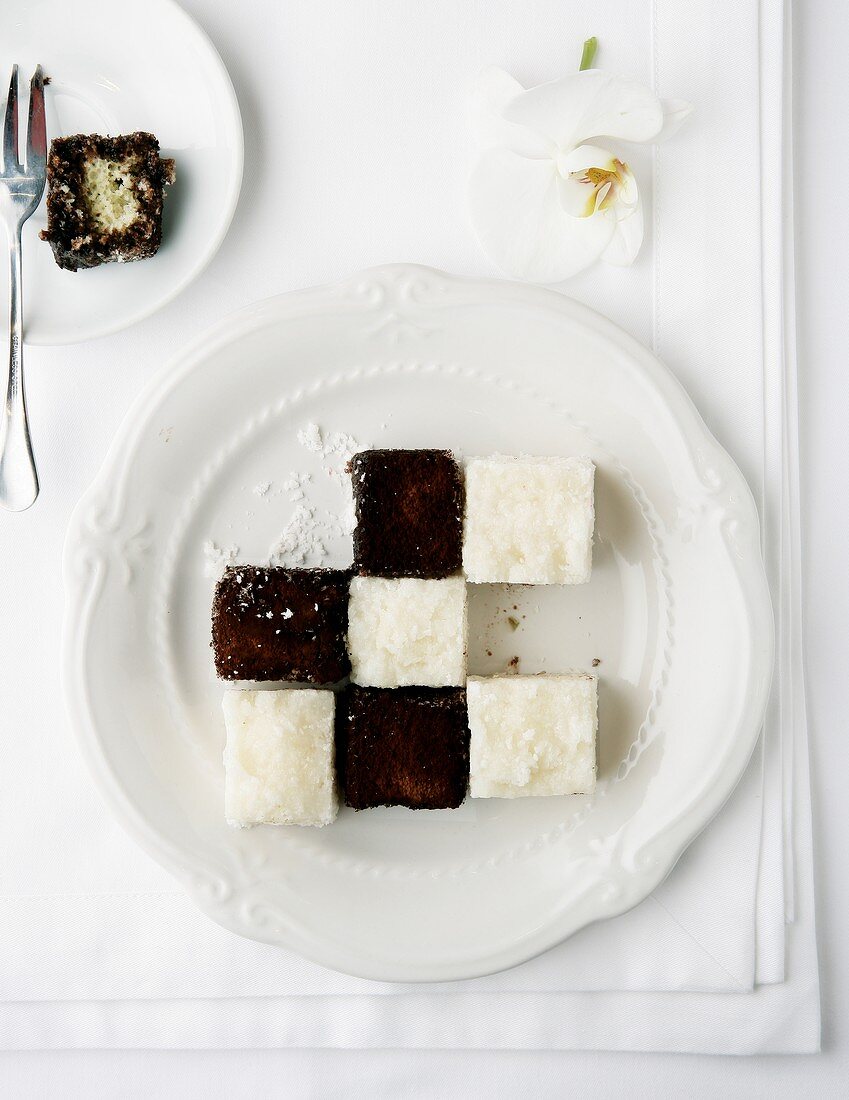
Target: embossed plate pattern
[{"x": 677, "y": 614}]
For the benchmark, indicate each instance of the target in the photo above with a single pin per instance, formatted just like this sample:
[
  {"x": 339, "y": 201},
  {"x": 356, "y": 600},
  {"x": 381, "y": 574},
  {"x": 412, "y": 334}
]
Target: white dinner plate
[
  {"x": 116, "y": 68},
  {"x": 677, "y": 615}
]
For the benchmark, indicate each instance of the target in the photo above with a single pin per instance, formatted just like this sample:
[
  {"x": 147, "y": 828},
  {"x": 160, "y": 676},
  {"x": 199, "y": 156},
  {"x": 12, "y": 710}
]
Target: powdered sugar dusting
[
  {"x": 311, "y": 528},
  {"x": 309, "y": 437},
  {"x": 217, "y": 558},
  {"x": 294, "y": 485},
  {"x": 337, "y": 447},
  {"x": 301, "y": 541},
  {"x": 348, "y": 518},
  {"x": 304, "y": 539}
]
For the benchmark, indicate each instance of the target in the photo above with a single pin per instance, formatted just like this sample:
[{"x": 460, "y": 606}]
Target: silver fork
[{"x": 21, "y": 189}]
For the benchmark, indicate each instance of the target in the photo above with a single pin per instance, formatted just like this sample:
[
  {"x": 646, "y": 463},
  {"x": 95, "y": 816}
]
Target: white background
[{"x": 822, "y": 161}]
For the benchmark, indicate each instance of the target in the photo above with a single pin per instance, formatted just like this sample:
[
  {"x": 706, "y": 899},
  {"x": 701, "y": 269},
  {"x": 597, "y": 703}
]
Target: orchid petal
[
  {"x": 494, "y": 88},
  {"x": 577, "y": 199},
  {"x": 492, "y": 91},
  {"x": 627, "y": 237},
  {"x": 675, "y": 111},
  {"x": 628, "y": 196},
  {"x": 516, "y": 211},
  {"x": 585, "y": 105},
  {"x": 583, "y": 157}
]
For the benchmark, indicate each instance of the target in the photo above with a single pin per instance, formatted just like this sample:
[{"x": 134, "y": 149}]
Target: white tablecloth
[{"x": 99, "y": 946}]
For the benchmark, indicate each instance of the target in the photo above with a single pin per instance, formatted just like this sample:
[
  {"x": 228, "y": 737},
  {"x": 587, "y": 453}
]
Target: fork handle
[{"x": 18, "y": 477}]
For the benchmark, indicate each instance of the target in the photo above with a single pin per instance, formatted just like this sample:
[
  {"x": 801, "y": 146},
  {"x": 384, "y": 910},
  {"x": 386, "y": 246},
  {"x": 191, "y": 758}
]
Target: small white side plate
[
  {"x": 677, "y": 612},
  {"x": 116, "y": 68}
]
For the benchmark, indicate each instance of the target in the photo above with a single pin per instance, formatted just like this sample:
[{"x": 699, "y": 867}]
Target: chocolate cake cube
[
  {"x": 281, "y": 624},
  {"x": 408, "y": 747},
  {"x": 104, "y": 198},
  {"x": 409, "y": 507}
]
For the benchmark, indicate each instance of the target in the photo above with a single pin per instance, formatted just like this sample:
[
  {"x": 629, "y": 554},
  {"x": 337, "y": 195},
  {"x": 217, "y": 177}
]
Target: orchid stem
[{"x": 588, "y": 56}]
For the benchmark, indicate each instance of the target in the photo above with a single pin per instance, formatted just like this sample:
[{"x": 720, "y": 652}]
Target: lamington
[
  {"x": 532, "y": 735},
  {"x": 279, "y": 756},
  {"x": 529, "y": 520},
  {"x": 402, "y": 748},
  {"x": 409, "y": 510},
  {"x": 281, "y": 624},
  {"x": 104, "y": 198},
  {"x": 407, "y": 632}
]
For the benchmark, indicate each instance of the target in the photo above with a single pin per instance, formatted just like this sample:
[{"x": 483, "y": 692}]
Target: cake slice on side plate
[{"x": 104, "y": 198}]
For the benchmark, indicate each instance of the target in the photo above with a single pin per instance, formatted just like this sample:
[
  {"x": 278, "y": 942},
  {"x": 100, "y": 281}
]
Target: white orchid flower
[{"x": 546, "y": 200}]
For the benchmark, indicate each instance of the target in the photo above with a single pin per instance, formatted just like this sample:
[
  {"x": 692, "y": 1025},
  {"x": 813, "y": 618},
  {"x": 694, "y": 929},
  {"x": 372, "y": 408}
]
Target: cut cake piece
[
  {"x": 104, "y": 198},
  {"x": 403, "y": 748},
  {"x": 407, "y": 632},
  {"x": 281, "y": 624},
  {"x": 279, "y": 757},
  {"x": 528, "y": 520},
  {"x": 532, "y": 735},
  {"x": 409, "y": 507}
]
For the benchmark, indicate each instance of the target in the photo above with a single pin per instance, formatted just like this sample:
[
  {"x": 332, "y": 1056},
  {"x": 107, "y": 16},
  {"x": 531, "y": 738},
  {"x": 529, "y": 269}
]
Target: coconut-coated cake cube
[
  {"x": 528, "y": 520},
  {"x": 532, "y": 735},
  {"x": 279, "y": 757},
  {"x": 407, "y": 632}
]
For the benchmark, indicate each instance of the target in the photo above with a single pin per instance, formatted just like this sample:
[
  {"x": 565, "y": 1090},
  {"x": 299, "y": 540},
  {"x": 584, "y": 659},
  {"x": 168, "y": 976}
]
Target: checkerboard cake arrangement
[{"x": 377, "y": 707}]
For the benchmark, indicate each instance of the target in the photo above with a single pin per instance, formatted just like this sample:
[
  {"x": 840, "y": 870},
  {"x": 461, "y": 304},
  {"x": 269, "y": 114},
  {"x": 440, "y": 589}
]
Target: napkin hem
[{"x": 463, "y": 1022}]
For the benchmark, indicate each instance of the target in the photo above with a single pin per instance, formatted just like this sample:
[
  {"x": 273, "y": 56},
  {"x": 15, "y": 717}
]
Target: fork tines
[{"x": 36, "y": 152}]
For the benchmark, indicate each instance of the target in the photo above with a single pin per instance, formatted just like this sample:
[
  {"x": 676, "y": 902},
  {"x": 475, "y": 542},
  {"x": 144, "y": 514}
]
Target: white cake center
[{"x": 109, "y": 197}]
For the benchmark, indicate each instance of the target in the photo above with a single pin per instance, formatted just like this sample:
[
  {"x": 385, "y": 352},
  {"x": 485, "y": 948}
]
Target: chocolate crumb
[{"x": 596, "y": 662}]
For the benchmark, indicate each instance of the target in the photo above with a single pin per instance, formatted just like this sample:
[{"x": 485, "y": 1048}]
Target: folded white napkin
[{"x": 98, "y": 946}]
